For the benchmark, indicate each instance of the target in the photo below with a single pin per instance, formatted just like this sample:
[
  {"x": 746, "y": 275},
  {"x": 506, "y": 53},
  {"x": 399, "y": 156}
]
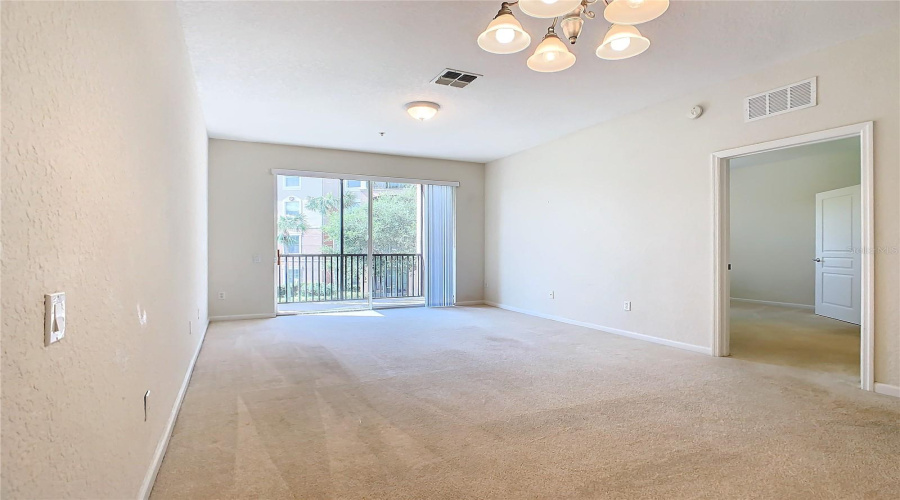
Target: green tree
[
  {"x": 327, "y": 206},
  {"x": 393, "y": 223},
  {"x": 327, "y": 203},
  {"x": 288, "y": 224}
]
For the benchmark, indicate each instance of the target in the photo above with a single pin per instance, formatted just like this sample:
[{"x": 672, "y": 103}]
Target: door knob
[{"x": 817, "y": 260}]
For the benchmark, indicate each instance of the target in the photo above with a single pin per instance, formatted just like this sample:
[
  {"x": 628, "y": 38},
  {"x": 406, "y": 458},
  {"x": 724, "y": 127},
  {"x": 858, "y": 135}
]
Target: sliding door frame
[
  {"x": 370, "y": 180},
  {"x": 360, "y": 177},
  {"x": 370, "y": 243}
]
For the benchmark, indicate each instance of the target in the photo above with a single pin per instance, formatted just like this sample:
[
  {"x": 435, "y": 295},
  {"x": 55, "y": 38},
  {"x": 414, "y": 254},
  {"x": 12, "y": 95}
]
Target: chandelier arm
[{"x": 504, "y": 8}]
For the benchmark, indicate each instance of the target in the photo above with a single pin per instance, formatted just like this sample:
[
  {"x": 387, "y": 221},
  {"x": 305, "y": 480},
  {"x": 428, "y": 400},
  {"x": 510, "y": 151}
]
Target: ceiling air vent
[
  {"x": 781, "y": 100},
  {"x": 455, "y": 78}
]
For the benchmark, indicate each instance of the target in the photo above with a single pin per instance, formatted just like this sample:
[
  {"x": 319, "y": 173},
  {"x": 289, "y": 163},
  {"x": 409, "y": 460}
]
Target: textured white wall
[
  {"x": 104, "y": 198},
  {"x": 630, "y": 201},
  {"x": 773, "y": 217},
  {"x": 242, "y": 215}
]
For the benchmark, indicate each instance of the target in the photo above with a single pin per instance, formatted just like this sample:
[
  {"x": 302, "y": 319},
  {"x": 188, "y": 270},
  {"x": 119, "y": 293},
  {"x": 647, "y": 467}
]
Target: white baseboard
[
  {"x": 887, "y": 389},
  {"x": 150, "y": 478},
  {"x": 470, "y": 303},
  {"x": 242, "y": 316},
  {"x": 616, "y": 331},
  {"x": 770, "y": 303}
]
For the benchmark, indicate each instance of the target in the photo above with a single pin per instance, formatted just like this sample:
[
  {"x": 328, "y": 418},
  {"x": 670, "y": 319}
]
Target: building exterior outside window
[{"x": 292, "y": 207}]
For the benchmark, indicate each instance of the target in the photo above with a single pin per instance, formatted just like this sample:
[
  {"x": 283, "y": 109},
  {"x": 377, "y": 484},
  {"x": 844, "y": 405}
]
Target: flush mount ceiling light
[
  {"x": 505, "y": 35},
  {"x": 422, "y": 110}
]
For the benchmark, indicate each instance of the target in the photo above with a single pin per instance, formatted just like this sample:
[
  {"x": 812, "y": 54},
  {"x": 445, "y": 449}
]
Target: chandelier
[{"x": 505, "y": 35}]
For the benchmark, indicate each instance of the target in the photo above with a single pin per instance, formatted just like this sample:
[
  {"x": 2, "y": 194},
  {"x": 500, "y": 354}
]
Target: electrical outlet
[
  {"x": 627, "y": 305},
  {"x": 257, "y": 258},
  {"x": 221, "y": 295},
  {"x": 552, "y": 294}
]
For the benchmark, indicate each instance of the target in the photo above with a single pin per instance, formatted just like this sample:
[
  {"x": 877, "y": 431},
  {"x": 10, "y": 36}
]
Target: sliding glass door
[
  {"x": 351, "y": 244},
  {"x": 398, "y": 271},
  {"x": 320, "y": 268}
]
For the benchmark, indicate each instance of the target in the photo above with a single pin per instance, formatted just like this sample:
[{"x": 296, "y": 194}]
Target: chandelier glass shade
[
  {"x": 622, "y": 42},
  {"x": 634, "y": 11},
  {"x": 505, "y": 34},
  {"x": 551, "y": 55},
  {"x": 546, "y": 9}
]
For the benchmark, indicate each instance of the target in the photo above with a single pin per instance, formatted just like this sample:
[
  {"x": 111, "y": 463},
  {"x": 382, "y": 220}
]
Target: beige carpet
[
  {"x": 478, "y": 402},
  {"x": 797, "y": 337}
]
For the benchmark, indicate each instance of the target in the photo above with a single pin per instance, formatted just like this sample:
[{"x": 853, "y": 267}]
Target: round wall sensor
[{"x": 695, "y": 112}]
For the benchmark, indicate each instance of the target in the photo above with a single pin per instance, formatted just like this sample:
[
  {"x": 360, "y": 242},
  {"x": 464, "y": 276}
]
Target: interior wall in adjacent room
[
  {"x": 773, "y": 217},
  {"x": 104, "y": 198}
]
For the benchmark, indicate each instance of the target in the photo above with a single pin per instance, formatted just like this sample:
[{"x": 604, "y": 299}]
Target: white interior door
[{"x": 838, "y": 258}]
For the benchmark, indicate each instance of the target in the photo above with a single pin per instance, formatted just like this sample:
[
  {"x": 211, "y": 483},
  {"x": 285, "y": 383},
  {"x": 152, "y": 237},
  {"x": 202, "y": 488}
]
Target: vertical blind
[{"x": 440, "y": 245}]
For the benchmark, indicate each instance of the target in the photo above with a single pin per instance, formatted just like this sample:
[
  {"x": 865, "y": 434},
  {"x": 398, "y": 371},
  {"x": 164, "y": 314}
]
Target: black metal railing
[{"x": 327, "y": 277}]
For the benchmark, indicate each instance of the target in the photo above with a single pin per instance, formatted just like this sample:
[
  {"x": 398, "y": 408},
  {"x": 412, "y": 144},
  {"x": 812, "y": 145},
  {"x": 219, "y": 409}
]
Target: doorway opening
[
  {"x": 793, "y": 274},
  {"x": 355, "y": 243},
  {"x": 794, "y": 232}
]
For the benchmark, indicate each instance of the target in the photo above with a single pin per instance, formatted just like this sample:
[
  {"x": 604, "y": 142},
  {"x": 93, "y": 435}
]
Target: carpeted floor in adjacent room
[
  {"x": 793, "y": 336},
  {"x": 477, "y": 402}
]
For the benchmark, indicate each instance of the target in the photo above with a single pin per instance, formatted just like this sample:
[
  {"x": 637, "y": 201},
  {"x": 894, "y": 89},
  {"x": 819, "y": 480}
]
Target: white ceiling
[{"x": 334, "y": 74}]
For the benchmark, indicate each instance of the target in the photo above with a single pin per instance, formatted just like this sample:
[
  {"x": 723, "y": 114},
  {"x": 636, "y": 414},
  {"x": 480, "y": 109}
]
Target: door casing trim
[{"x": 721, "y": 283}]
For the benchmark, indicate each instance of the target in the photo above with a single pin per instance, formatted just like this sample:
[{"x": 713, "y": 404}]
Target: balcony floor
[{"x": 348, "y": 305}]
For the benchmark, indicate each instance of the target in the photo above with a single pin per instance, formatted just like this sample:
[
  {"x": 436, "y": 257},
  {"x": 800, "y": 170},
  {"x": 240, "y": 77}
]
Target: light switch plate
[{"x": 54, "y": 317}]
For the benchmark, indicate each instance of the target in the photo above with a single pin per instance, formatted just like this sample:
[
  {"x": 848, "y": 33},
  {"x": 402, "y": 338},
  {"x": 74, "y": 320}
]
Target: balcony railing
[{"x": 326, "y": 277}]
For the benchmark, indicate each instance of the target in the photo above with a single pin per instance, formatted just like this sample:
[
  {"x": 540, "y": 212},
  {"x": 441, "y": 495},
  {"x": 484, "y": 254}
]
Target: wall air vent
[
  {"x": 455, "y": 78},
  {"x": 781, "y": 100}
]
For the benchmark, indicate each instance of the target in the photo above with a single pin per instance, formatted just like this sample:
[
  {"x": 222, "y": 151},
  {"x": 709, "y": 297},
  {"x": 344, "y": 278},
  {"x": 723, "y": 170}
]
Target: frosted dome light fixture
[{"x": 422, "y": 110}]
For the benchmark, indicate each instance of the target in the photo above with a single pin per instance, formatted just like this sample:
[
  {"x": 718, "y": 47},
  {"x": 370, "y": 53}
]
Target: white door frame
[{"x": 721, "y": 281}]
